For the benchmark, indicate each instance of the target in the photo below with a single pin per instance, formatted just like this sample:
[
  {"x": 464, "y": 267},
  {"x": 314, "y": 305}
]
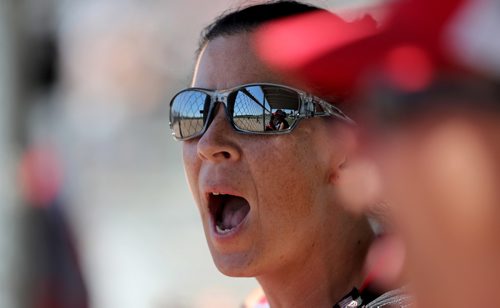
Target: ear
[
  {"x": 344, "y": 151},
  {"x": 343, "y": 163},
  {"x": 353, "y": 173}
]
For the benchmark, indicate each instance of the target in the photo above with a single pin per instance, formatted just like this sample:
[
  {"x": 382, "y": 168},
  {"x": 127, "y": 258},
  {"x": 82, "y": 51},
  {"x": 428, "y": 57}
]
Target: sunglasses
[{"x": 257, "y": 108}]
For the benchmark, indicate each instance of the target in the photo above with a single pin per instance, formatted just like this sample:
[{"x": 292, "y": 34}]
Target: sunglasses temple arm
[{"x": 334, "y": 111}]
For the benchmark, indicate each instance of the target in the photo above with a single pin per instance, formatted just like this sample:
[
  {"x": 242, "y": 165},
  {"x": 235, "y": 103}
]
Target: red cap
[{"x": 415, "y": 40}]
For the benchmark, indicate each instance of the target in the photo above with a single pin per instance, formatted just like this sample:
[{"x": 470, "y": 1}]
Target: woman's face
[{"x": 265, "y": 201}]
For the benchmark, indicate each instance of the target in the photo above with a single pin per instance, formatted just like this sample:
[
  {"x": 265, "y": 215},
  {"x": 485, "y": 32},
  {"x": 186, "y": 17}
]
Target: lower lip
[{"x": 228, "y": 235}]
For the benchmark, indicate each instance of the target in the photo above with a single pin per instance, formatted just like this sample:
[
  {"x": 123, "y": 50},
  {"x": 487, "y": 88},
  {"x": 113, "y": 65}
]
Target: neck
[{"x": 324, "y": 276}]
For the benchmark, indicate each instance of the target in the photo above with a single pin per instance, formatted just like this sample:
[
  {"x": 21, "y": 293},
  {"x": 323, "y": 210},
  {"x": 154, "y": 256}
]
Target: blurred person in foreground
[
  {"x": 269, "y": 199},
  {"x": 431, "y": 77}
]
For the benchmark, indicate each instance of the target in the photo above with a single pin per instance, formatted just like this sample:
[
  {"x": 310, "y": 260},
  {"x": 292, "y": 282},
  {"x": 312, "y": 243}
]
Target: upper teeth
[{"x": 216, "y": 193}]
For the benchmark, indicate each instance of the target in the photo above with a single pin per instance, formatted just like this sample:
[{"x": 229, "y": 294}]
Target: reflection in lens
[
  {"x": 188, "y": 113},
  {"x": 255, "y": 108}
]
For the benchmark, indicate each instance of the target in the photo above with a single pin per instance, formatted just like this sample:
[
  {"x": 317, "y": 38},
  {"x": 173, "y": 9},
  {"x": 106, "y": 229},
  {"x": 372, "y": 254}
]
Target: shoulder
[{"x": 397, "y": 298}]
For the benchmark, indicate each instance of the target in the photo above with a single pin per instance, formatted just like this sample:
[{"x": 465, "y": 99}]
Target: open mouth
[{"x": 228, "y": 211}]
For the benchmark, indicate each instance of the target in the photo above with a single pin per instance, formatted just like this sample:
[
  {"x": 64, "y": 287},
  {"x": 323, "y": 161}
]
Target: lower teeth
[{"x": 222, "y": 231}]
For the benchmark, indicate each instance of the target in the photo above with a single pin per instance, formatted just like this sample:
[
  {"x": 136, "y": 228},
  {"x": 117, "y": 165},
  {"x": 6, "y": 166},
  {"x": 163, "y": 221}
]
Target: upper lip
[{"x": 221, "y": 189}]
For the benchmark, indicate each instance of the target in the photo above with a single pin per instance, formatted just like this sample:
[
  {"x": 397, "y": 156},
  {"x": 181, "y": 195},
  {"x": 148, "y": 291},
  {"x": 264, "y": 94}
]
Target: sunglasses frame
[{"x": 307, "y": 103}]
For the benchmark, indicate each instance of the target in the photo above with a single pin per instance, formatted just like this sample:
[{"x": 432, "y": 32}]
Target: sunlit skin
[
  {"x": 303, "y": 247},
  {"x": 439, "y": 176}
]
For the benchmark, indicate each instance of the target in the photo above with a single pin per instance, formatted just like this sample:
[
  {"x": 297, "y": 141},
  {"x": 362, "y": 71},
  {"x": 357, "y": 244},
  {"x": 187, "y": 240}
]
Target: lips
[{"x": 227, "y": 212}]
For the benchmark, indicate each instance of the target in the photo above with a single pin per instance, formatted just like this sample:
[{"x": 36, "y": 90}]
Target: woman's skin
[{"x": 303, "y": 246}]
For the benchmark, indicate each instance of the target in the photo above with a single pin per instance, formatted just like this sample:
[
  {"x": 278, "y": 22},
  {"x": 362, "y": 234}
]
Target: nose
[{"x": 220, "y": 141}]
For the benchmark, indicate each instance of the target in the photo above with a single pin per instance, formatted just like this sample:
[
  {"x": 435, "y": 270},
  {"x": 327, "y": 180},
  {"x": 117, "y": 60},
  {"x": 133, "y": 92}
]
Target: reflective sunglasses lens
[
  {"x": 264, "y": 108},
  {"x": 188, "y": 113}
]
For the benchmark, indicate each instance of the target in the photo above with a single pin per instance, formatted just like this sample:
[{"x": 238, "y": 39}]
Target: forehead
[{"x": 228, "y": 61}]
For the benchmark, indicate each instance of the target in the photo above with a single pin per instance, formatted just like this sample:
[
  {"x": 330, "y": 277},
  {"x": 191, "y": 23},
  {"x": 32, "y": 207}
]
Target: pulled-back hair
[{"x": 251, "y": 17}]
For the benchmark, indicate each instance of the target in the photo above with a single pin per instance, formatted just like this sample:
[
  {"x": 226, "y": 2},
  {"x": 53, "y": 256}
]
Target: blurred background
[{"x": 94, "y": 209}]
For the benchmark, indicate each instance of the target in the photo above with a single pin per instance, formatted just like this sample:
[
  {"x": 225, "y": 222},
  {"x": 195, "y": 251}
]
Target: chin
[{"x": 235, "y": 264}]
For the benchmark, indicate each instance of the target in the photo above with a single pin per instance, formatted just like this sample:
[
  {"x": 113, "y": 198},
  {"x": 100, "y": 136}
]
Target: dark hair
[{"x": 249, "y": 18}]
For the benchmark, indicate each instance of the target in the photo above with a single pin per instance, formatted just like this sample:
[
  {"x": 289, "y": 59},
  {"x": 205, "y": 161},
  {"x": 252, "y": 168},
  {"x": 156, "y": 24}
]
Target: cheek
[
  {"x": 287, "y": 178},
  {"x": 191, "y": 165}
]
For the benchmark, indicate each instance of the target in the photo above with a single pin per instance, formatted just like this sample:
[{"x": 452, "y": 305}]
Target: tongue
[{"x": 234, "y": 212}]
